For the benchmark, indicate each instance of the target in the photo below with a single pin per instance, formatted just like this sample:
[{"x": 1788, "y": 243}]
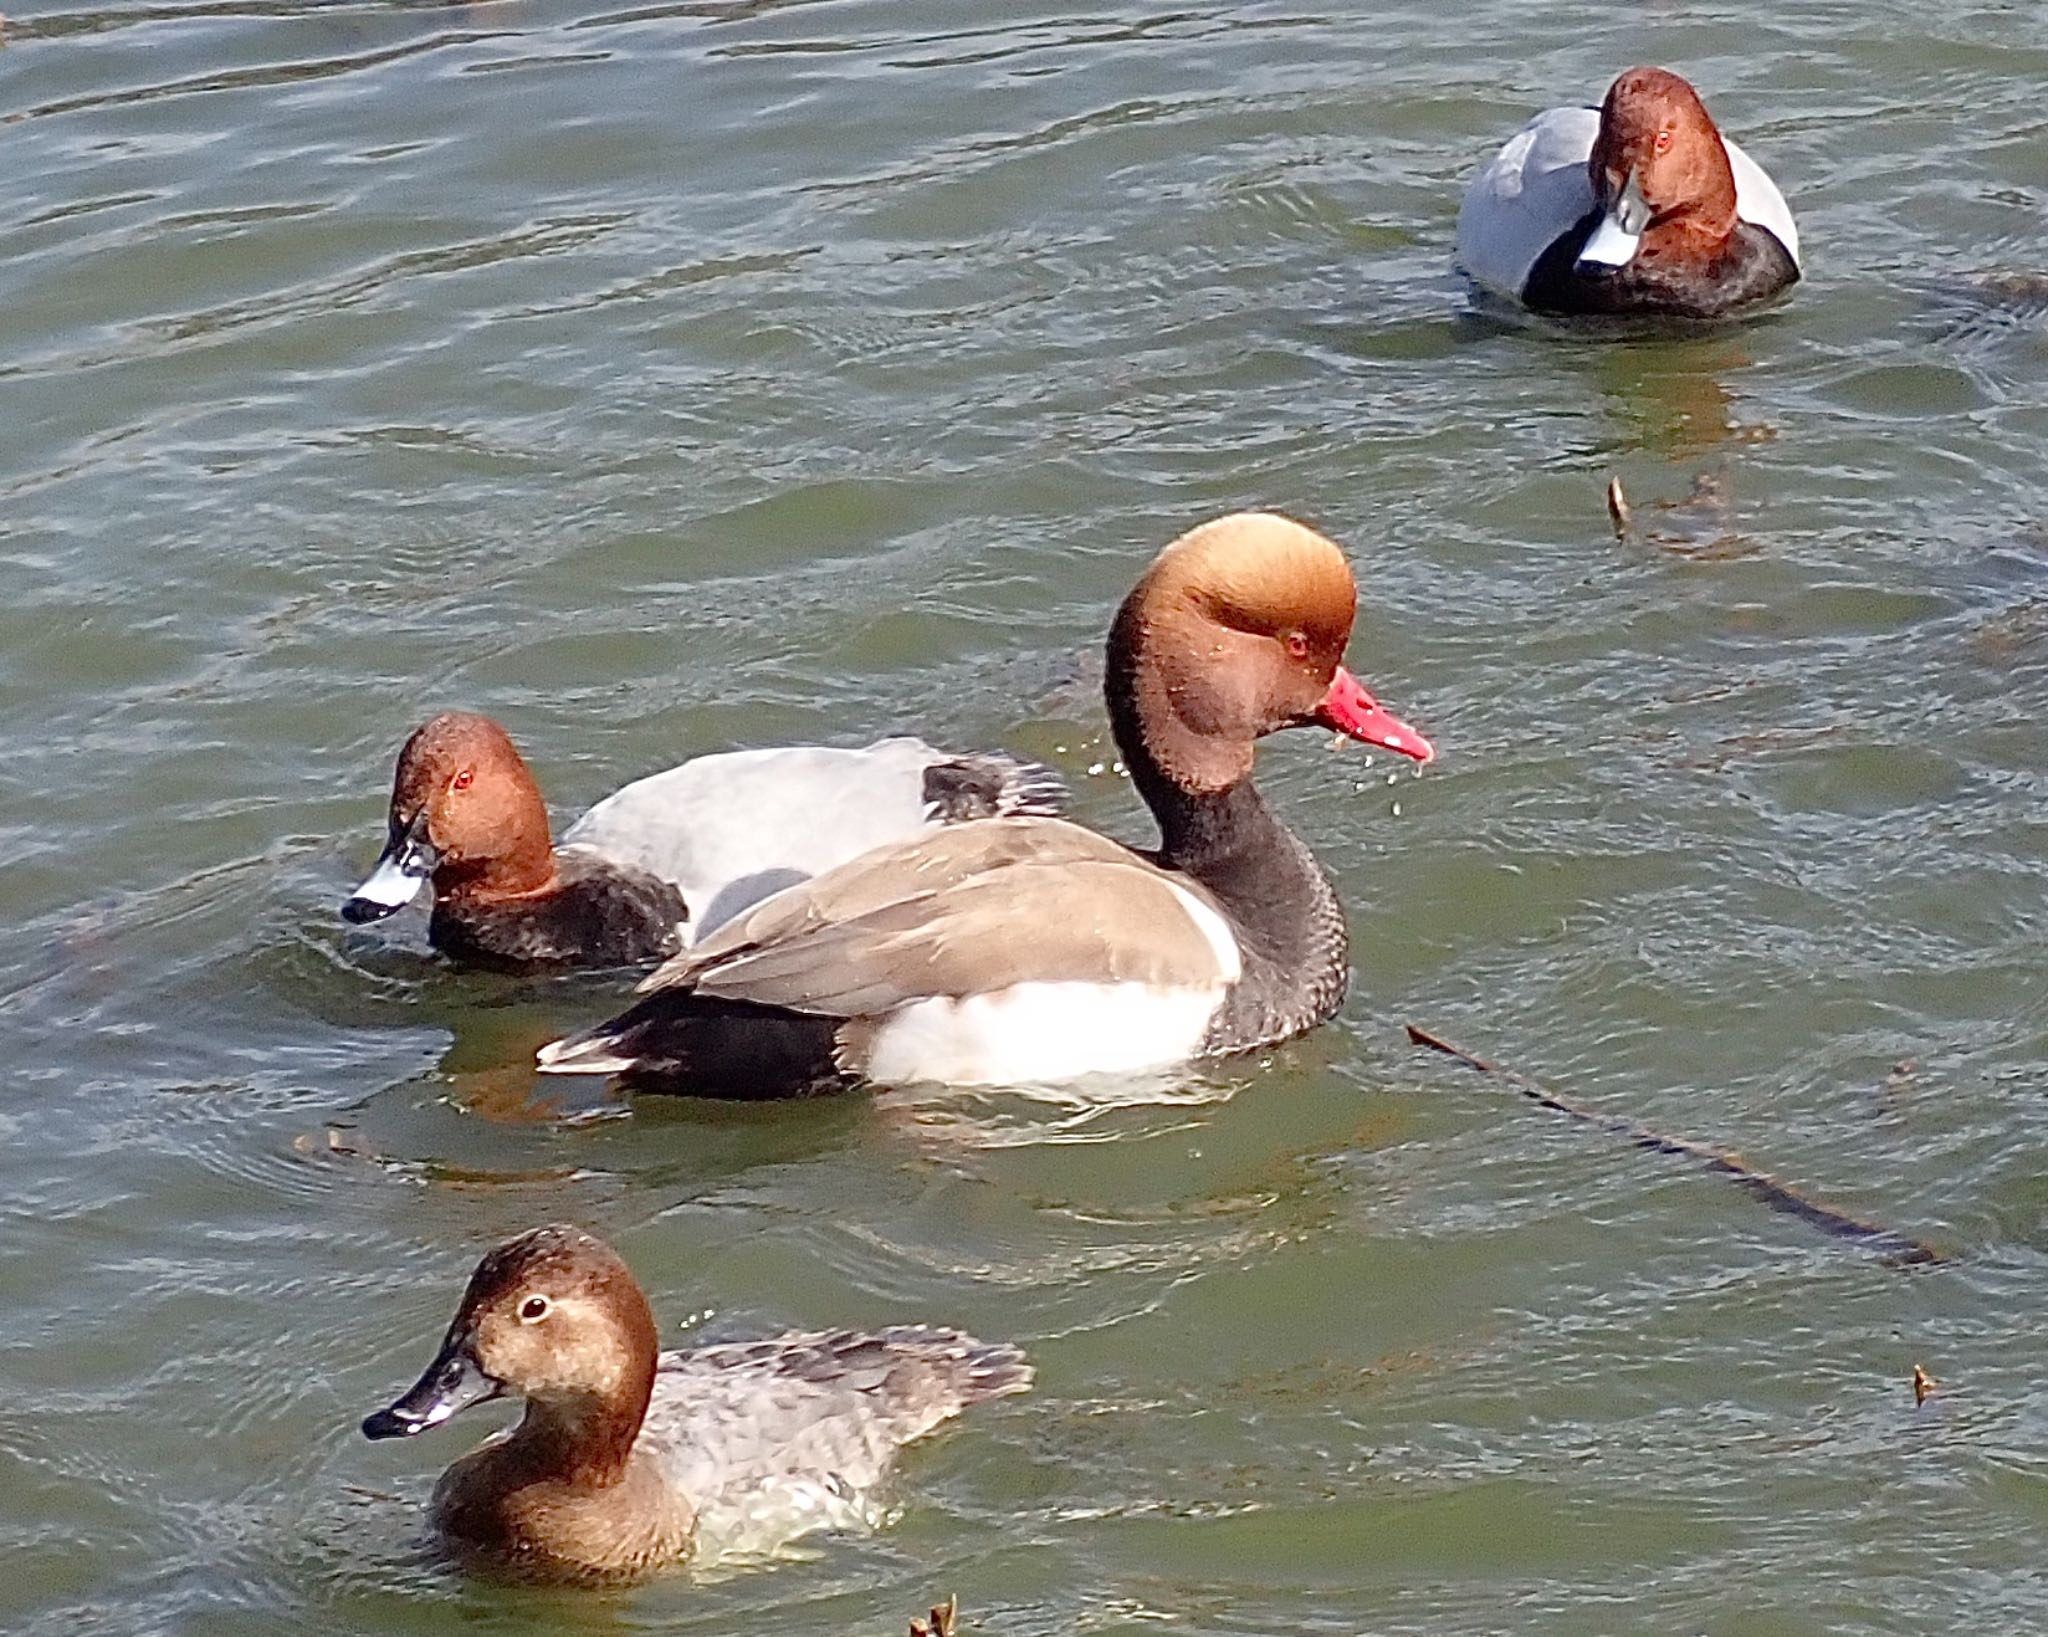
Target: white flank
[
  {"x": 390, "y": 886},
  {"x": 1758, "y": 201},
  {"x": 1229, "y": 962},
  {"x": 1041, "y": 1032},
  {"x": 732, "y": 829}
]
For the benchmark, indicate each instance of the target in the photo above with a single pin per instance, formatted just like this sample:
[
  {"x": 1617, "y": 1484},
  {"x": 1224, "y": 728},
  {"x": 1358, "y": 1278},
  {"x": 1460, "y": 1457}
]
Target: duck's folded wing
[
  {"x": 1533, "y": 190},
  {"x": 808, "y": 1422},
  {"x": 968, "y": 911}
]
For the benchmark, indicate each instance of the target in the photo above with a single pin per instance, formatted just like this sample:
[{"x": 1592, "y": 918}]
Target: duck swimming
[
  {"x": 656, "y": 865},
  {"x": 628, "y": 1458},
  {"x": 1638, "y": 206},
  {"x": 1019, "y": 950}
]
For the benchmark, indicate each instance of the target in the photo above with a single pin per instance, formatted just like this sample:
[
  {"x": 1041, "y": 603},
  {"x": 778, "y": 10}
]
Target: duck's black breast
[
  {"x": 1751, "y": 266},
  {"x": 601, "y": 914}
]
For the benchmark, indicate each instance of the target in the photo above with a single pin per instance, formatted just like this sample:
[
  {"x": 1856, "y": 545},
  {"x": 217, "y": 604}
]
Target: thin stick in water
[{"x": 1893, "y": 1245}]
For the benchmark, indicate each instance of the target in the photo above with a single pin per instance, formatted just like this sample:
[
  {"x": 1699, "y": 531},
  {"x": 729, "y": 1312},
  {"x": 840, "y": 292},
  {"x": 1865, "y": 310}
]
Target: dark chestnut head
[
  {"x": 465, "y": 812},
  {"x": 553, "y": 1316},
  {"x": 1658, "y": 167},
  {"x": 1237, "y": 630}
]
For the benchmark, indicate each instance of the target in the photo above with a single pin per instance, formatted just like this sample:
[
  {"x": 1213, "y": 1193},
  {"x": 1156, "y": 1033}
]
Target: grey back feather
[{"x": 969, "y": 910}]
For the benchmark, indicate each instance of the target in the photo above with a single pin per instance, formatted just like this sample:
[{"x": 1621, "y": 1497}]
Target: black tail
[
  {"x": 693, "y": 1046},
  {"x": 991, "y": 784}
]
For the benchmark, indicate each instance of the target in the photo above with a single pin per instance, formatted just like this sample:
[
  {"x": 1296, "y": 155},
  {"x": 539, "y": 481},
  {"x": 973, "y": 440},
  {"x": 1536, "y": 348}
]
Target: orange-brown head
[
  {"x": 1237, "y": 630},
  {"x": 466, "y": 813},
  {"x": 1660, "y": 172},
  {"x": 556, "y": 1317}
]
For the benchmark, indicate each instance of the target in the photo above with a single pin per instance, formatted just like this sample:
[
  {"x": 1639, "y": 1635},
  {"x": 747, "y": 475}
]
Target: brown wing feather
[{"x": 963, "y": 911}]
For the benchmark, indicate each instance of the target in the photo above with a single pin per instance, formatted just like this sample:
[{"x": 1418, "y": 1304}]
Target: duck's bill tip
[
  {"x": 452, "y": 1383},
  {"x": 1614, "y": 242},
  {"x": 394, "y": 883},
  {"x": 388, "y": 1423},
  {"x": 1353, "y": 712}
]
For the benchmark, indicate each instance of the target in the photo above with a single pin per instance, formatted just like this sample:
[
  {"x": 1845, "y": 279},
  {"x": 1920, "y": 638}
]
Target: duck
[
  {"x": 627, "y": 1458},
  {"x": 1030, "y": 950},
  {"x": 1639, "y": 206},
  {"x": 660, "y": 862}
]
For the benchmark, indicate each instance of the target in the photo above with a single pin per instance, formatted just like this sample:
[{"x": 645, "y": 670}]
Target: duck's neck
[
  {"x": 1281, "y": 905},
  {"x": 585, "y": 1441},
  {"x": 1212, "y": 821},
  {"x": 1235, "y": 846},
  {"x": 506, "y": 878}
]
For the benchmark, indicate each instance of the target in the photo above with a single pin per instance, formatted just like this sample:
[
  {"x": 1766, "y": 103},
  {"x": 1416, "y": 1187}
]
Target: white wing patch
[{"x": 1229, "y": 962}]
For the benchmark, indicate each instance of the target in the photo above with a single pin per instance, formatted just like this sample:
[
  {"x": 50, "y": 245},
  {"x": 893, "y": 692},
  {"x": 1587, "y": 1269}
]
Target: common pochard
[
  {"x": 1638, "y": 206},
  {"x": 654, "y": 867}
]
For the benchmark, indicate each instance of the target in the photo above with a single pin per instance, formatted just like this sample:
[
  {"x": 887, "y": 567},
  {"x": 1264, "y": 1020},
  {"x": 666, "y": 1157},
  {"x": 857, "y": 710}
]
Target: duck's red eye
[
  {"x": 1297, "y": 644},
  {"x": 533, "y": 1309},
  {"x": 464, "y": 779},
  {"x": 1663, "y": 142}
]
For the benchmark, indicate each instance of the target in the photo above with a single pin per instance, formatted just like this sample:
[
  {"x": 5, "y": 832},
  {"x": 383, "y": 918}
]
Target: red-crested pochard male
[
  {"x": 1030, "y": 950},
  {"x": 654, "y": 867},
  {"x": 628, "y": 1458},
  {"x": 1638, "y": 206}
]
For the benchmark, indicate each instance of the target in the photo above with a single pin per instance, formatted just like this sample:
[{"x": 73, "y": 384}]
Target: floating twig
[
  {"x": 941, "y": 1622},
  {"x": 1889, "y": 1242},
  {"x": 1617, "y": 508},
  {"x": 1923, "y": 1386}
]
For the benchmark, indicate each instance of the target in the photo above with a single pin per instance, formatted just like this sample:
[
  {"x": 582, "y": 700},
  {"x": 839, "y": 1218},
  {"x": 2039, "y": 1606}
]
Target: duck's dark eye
[
  {"x": 463, "y": 780},
  {"x": 533, "y": 1309}
]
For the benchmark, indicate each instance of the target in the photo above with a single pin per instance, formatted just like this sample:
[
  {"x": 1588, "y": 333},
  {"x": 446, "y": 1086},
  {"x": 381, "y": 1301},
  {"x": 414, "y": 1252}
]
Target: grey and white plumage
[
  {"x": 732, "y": 828},
  {"x": 661, "y": 862},
  {"x": 1033, "y": 951},
  {"x": 627, "y": 1458},
  {"x": 1536, "y": 188},
  {"x": 773, "y": 1438}
]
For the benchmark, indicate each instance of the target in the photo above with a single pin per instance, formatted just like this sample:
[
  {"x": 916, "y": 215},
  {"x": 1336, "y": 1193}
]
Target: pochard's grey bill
[
  {"x": 408, "y": 863},
  {"x": 453, "y": 1383},
  {"x": 1615, "y": 241}
]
